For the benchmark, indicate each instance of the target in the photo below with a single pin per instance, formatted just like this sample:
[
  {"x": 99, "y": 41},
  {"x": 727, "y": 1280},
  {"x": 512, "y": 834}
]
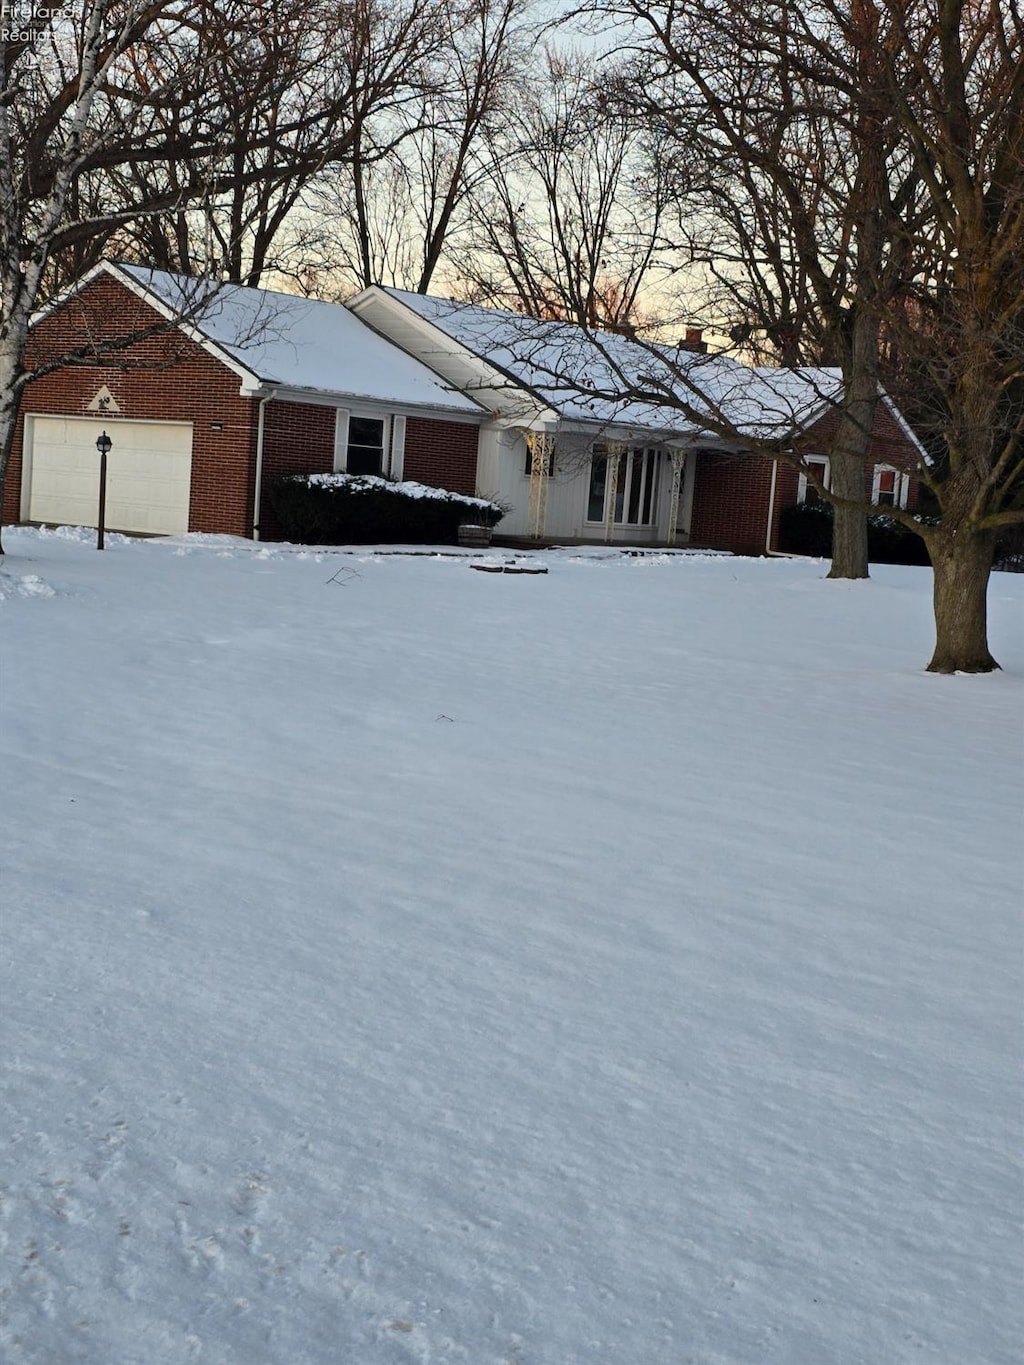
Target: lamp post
[{"x": 103, "y": 444}]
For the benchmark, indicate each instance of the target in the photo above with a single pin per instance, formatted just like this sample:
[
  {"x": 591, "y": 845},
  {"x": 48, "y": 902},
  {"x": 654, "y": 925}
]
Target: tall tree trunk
[
  {"x": 962, "y": 563},
  {"x": 851, "y": 445},
  {"x": 11, "y": 371},
  {"x": 8, "y": 416},
  {"x": 849, "y": 529}
]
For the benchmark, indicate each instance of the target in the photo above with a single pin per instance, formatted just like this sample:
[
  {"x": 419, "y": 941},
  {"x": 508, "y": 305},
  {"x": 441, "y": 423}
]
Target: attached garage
[
  {"x": 149, "y": 473},
  {"x": 206, "y": 414}
]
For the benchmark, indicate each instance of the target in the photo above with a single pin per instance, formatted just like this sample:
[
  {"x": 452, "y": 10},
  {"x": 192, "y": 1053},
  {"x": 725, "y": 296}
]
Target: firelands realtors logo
[{"x": 22, "y": 20}]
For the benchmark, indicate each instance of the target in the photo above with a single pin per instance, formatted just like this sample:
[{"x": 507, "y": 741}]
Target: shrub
[
  {"x": 1009, "y": 554},
  {"x": 806, "y": 529},
  {"x": 364, "y": 509}
]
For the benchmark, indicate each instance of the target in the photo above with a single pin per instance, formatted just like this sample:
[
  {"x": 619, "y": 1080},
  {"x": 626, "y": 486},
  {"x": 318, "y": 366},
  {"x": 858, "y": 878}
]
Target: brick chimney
[{"x": 693, "y": 341}]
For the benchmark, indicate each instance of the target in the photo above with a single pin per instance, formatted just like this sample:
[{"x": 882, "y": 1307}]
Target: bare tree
[
  {"x": 870, "y": 157},
  {"x": 790, "y": 185},
  {"x": 59, "y": 114},
  {"x": 388, "y": 214},
  {"x": 186, "y": 127},
  {"x": 565, "y": 223},
  {"x": 965, "y": 330},
  {"x": 297, "y": 95}
]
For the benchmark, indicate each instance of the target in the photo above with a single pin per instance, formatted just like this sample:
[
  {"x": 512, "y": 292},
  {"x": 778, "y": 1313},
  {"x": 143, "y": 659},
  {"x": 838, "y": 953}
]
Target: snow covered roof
[
  {"x": 304, "y": 344},
  {"x": 607, "y": 379}
]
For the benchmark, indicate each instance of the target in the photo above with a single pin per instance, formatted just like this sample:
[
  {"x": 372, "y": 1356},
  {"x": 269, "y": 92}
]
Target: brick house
[
  {"x": 213, "y": 397},
  {"x": 582, "y": 445},
  {"x": 738, "y": 499},
  {"x": 209, "y": 397}
]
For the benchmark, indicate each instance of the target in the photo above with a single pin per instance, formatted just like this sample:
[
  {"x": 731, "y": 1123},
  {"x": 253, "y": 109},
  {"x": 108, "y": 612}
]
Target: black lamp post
[{"x": 103, "y": 444}]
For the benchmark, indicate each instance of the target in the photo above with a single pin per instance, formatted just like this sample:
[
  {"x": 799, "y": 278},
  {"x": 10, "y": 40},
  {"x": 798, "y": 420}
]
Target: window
[
  {"x": 365, "y": 451},
  {"x": 598, "y": 483},
  {"x": 807, "y": 491},
  {"x": 889, "y": 487},
  {"x": 636, "y": 487},
  {"x": 528, "y": 466}
]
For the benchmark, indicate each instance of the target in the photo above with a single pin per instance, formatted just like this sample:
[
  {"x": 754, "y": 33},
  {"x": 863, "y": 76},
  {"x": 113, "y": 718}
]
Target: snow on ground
[{"x": 404, "y": 964}]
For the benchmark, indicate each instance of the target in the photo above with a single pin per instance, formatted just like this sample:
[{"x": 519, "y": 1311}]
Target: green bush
[
  {"x": 363, "y": 509},
  {"x": 806, "y": 529}
]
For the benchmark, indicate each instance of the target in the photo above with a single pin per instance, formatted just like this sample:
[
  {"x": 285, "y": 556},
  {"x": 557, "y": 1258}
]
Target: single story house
[
  {"x": 209, "y": 392},
  {"x": 587, "y": 439},
  {"x": 245, "y": 386}
]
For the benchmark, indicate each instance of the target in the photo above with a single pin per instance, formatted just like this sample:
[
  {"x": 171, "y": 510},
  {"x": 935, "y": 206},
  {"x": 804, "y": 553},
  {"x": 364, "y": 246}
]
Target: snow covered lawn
[{"x": 402, "y": 964}]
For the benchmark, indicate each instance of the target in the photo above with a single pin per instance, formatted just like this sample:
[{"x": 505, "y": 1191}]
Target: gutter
[
  {"x": 260, "y": 430},
  {"x": 771, "y": 510}
]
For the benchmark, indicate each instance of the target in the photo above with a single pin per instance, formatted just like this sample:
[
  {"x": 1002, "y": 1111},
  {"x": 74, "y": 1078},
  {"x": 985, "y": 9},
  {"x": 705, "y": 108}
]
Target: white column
[
  {"x": 540, "y": 445},
  {"x": 616, "y": 449},
  {"x": 678, "y": 458}
]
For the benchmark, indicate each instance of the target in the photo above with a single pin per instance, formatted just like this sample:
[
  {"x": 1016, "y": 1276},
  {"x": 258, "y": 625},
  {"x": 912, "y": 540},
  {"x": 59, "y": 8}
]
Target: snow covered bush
[{"x": 365, "y": 509}]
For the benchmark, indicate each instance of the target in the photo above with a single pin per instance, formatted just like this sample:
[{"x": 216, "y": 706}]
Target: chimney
[{"x": 693, "y": 341}]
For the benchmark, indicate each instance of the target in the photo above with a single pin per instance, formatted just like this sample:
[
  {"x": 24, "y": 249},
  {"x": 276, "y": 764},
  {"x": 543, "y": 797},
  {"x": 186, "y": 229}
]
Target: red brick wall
[
  {"x": 730, "y": 502},
  {"x": 889, "y": 446},
  {"x": 888, "y": 443},
  {"x": 298, "y": 438},
  {"x": 731, "y": 494},
  {"x": 787, "y": 488},
  {"x": 441, "y": 454},
  {"x": 164, "y": 377}
]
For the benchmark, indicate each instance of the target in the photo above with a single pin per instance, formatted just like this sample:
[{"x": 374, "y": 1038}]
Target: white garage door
[{"x": 149, "y": 473}]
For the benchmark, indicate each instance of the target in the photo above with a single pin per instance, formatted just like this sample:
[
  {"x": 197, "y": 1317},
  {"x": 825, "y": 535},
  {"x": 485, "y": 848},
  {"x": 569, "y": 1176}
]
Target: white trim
[
  {"x": 614, "y": 450},
  {"x": 489, "y": 375},
  {"x": 69, "y": 293},
  {"x": 342, "y": 425},
  {"x": 430, "y": 330},
  {"x": 250, "y": 380},
  {"x": 904, "y": 426},
  {"x": 771, "y": 507},
  {"x": 253, "y": 384},
  {"x": 258, "y": 471},
  {"x": 398, "y": 446},
  {"x": 27, "y": 444},
  {"x": 901, "y": 486},
  {"x": 332, "y": 398},
  {"x": 801, "y": 487},
  {"x": 341, "y": 440}
]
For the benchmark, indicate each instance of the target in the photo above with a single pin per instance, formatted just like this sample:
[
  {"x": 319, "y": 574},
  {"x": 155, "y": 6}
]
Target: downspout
[
  {"x": 771, "y": 511},
  {"x": 260, "y": 428}
]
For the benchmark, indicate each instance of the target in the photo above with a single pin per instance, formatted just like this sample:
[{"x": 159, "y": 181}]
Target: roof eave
[
  {"x": 249, "y": 378},
  {"x": 338, "y": 398},
  {"x": 181, "y": 320},
  {"x": 460, "y": 348}
]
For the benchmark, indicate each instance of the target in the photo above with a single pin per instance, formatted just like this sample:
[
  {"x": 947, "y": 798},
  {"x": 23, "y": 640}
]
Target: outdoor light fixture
[{"x": 103, "y": 444}]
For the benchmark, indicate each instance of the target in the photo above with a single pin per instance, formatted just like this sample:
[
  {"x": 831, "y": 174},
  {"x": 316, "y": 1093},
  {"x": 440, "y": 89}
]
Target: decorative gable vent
[{"x": 104, "y": 401}]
